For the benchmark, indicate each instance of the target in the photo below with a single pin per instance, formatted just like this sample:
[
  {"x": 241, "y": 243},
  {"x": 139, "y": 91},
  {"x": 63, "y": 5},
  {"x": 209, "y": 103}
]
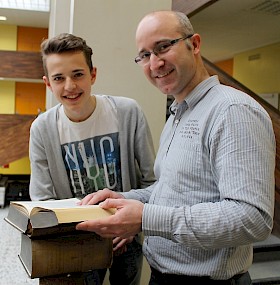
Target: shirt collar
[{"x": 196, "y": 94}]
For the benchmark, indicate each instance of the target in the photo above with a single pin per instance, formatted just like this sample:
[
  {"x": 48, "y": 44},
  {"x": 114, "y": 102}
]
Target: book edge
[
  {"x": 14, "y": 225},
  {"x": 25, "y": 267}
]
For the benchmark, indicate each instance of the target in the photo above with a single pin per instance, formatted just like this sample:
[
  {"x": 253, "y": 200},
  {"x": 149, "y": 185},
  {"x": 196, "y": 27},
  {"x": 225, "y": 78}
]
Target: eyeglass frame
[{"x": 138, "y": 59}]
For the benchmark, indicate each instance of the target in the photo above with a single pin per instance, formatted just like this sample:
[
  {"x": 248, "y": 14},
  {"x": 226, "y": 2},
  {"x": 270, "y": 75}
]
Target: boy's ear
[
  {"x": 93, "y": 75},
  {"x": 47, "y": 82}
]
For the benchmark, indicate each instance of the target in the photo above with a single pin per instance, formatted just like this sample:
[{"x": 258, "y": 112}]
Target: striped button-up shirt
[{"x": 214, "y": 194}]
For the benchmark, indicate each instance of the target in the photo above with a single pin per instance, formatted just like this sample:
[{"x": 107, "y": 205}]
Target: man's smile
[{"x": 164, "y": 74}]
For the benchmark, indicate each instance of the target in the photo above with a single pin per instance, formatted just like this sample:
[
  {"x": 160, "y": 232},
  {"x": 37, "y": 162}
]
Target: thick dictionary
[
  {"x": 36, "y": 218},
  {"x": 56, "y": 255}
]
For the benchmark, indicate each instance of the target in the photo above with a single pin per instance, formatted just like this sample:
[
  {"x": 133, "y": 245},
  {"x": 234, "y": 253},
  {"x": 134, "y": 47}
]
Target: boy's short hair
[{"x": 65, "y": 43}]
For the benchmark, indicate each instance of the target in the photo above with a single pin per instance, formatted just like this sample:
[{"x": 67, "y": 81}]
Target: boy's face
[{"x": 70, "y": 80}]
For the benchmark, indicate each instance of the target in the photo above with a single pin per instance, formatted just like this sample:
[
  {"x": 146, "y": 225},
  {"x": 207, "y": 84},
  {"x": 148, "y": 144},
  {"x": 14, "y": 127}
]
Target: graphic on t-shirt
[{"x": 93, "y": 164}]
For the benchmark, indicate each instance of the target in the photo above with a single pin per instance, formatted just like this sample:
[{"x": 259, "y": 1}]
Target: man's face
[
  {"x": 70, "y": 80},
  {"x": 172, "y": 72}
]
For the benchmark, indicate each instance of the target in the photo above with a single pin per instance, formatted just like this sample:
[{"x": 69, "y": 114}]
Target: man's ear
[{"x": 196, "y": 43}]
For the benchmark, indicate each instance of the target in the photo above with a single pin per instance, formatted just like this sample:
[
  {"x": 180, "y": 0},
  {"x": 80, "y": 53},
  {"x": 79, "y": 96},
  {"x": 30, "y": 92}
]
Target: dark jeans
[
  {"x": 158, "y": 278},
  {"x": 125, "y": 269}
]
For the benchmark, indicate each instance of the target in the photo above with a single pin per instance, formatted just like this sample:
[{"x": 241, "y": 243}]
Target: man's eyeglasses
[{"x": 144, "y": 57}]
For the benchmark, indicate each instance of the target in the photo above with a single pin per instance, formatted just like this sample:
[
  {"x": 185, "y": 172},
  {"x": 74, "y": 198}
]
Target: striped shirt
[{"x": 214, "y": 194}]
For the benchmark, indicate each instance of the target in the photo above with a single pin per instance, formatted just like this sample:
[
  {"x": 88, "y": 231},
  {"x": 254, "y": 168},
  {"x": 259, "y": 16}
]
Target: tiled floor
[{"x": 11, "y": 269}]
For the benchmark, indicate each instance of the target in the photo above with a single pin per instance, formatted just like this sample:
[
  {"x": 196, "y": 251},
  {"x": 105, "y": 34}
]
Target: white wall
[{"x": 109, "y": 28}]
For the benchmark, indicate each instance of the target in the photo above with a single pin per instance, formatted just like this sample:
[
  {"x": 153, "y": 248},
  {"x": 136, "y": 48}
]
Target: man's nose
[{"x": 155, "y": 61}]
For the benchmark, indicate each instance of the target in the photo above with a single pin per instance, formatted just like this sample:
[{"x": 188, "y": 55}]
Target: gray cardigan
[{"x": 48, "y": 174}]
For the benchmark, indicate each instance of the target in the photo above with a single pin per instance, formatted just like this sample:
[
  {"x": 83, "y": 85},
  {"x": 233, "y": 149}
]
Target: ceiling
[
  {"x": 26, "y": 18},
  {"x": 227, "y": 27}
]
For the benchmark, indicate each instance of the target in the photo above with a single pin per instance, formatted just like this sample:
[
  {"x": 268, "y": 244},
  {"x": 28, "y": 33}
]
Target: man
[
  {"x": 89, "y": 142},
  {"x": 214, "y": 194}
]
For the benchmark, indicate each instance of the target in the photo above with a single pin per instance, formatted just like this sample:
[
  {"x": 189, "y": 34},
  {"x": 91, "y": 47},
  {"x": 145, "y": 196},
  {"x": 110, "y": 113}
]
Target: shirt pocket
[{"x": 183, "y": 167}]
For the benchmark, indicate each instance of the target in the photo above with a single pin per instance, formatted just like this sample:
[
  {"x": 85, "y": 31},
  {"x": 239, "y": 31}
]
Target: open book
[{"x": 36, "y": 218}]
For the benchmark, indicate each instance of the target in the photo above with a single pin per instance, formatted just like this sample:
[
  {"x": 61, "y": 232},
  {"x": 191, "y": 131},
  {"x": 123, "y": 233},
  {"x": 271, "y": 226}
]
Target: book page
[
  {"x": 54, "y": 204},
  {"x": 51, "y": 213},
  {"x": 82, "y": 213},
  {"x": 31, "y": 207}
]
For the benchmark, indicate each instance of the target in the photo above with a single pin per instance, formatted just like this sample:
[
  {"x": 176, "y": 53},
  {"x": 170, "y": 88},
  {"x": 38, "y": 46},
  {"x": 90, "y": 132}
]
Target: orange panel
[
  {"x": 30, "y": 97},
  {"x": 226, "y": 66},
  {"x": 29, "y": 38}
]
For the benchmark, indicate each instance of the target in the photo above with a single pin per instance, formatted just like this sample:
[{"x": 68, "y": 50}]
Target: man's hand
[
  {"x": 126, "y": 222},
  {"x": 99, "y": 196}
]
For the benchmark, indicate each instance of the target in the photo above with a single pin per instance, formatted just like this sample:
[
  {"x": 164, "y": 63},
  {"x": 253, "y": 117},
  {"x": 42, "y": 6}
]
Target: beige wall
[
  {"x": 8, "y": 37},
  {"x": 258, "y": 69},
  {"x": 109, "y": 28},
  {"x": 7, "y": 97},
  {"x": 7, "y": 88},
  {"x": 21, "y": 166}
]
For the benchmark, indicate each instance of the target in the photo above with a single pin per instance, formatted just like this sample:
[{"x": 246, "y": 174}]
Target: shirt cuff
[{"x": 156, "y": 221}]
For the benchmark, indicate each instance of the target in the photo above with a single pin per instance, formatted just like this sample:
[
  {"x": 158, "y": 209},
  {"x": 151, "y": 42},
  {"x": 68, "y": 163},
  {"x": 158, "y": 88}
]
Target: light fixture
[
  {"x": 3, "y": 18},
  {"x": 39, "y": 5}
]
